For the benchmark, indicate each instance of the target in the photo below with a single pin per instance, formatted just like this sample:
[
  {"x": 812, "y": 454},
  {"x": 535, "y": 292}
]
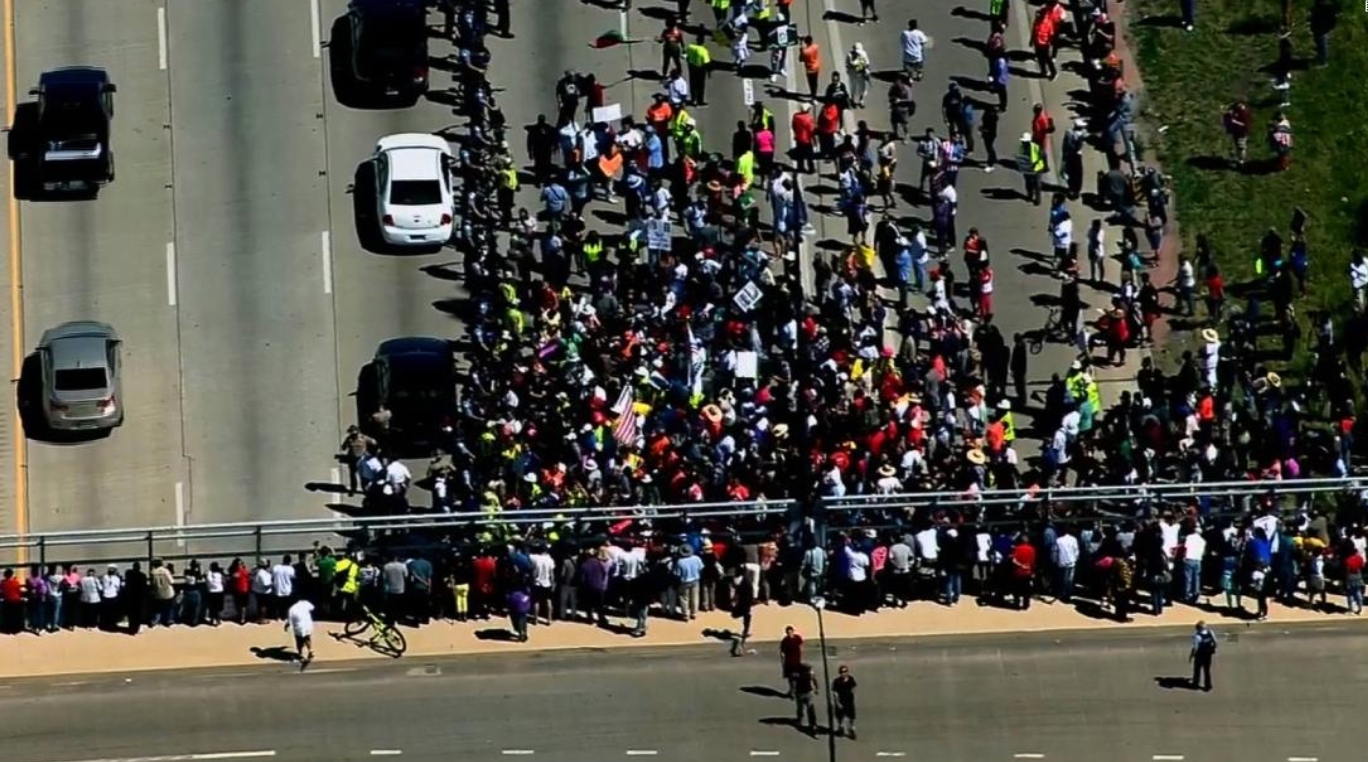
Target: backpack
[{"x": 1207, "y": 645}]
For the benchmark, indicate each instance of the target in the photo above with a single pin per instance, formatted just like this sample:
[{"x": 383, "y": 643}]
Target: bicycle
[
  {"x": 1035, "y": 340},
  {"x": 384, "y": 634}
]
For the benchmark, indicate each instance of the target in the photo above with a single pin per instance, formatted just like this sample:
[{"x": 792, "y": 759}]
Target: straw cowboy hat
[
  {"x": 977, "y": 457},
  {"x": 781, "y": 431},
  {"x": 1273, "y": 379},
  {"x": 887, "y": 470},
  {"x": 1210, "y": 336}
]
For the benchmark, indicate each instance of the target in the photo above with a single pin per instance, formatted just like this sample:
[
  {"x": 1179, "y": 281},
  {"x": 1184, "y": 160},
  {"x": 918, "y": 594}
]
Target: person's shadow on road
[
  {"x": 275, "y": 653},
  {"x": 1174, "y": 683}
]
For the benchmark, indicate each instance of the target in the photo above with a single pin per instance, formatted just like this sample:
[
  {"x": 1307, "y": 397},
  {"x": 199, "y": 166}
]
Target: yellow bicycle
[{"x": 384, "y": 636}]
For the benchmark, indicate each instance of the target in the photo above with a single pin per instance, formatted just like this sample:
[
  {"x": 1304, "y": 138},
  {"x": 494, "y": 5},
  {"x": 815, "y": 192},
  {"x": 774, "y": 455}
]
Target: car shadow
[{"x": 29, "y": 399}]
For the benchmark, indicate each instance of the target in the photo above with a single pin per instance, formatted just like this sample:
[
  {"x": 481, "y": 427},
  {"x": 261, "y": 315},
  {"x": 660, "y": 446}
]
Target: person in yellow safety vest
[
  {"x": 1007, "y": 421},
  {"x": 508, "y": 186},
  {"x": 1094, "y": 394},
  {"x": 593, "y": 252},
  {"x": 764, "y": 13},
  {"x": 1031, "y": 164},
  {"x": 677, "y": 122},
  {"x": 347, "y": 577},
  {"x": 721, "y": 10},
  {"x": 690, "y": 142},
  {"x": 516, "y": 321},
  {"x": 761, "y": 118},
  {"x": 745, "y": 166},
  {"x": 698, "y": 60},
  {"x": 509, "y": 293}
]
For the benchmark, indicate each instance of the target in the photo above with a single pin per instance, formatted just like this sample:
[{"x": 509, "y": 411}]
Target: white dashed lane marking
[
  {"x": 386, "y": 752},
  {"x": 763, "y": 753},
  {"x": 1303, "y": 759},
  {"x": 890, "y": 754},
  {"x": 1167, "y": 758},
  {"x": 518, "y": 752},
  {"x": 161, "y": 39},
  {"x": 642, "y": 752},
  {"x": 1028, "y": 755}
]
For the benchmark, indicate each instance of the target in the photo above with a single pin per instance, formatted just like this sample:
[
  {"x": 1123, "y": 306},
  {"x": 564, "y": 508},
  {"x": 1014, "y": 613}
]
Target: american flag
[{"x": 625, "y": 431}]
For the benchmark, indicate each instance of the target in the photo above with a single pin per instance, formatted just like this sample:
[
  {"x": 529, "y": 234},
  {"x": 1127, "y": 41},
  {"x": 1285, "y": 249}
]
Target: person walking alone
[
  {"x": 843, "y": 694},
  {"x": 804, "y": 698},
  {"x": 743, "y": 600},
  {"x": 299, "y": 618},
  {"x": 1203, "y": 652}
]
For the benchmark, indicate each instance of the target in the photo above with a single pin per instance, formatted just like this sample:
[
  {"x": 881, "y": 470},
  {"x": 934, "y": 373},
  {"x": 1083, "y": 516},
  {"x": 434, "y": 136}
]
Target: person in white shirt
[
  {"x": 262, "y": 582},
  {"x": 543, "y": 582},
  {"x": 282, "y": 584},
  {"x": 299, "y": 619},
  {"x": 913, "y": 42},
  {"x": 213, "y": 585},
  {"x": 111, "y": 584},
  {"x": 928, "y": 546},
  {"x": 1194, "y": 550},
  {"x": 857, "y": 576},
  {"x": 1097, "y": 252},
  {"x": 1064, "y": 554},
  {"x": 90, "y": 599}
]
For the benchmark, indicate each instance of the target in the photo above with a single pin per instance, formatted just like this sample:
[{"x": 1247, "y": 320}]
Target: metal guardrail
[
  {"x": 170, "y": 541},
  {"x": 39, "y": 546},
  {"x": 1110, "y": 493}
]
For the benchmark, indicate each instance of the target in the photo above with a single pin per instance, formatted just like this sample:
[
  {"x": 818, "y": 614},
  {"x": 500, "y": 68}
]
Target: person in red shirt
[
  {"x": 790, "y": 658},
  {"x": 483, "y": 569},
  {"x": 804, "y": 135},
  {"x": 12, "y": 603},
  {"x": 1043, "y": 40},
  {"x": 1023, "y": 571},
  {"x": 1353, "y": 583},
  {"x": 1215, "y": 296}
]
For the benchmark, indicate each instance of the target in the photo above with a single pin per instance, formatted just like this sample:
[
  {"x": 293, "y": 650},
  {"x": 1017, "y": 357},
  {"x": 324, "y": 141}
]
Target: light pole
[{"x": 818, "y": 604}]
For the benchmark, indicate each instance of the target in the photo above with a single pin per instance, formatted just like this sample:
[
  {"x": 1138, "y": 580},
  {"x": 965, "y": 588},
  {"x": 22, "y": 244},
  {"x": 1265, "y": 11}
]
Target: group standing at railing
[{"x": 1118, "y": 567}]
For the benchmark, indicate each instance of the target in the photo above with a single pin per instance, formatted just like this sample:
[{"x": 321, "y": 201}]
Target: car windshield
[
  {"x": 415, "y": 192},
  {"x": 79, "y": 379}
]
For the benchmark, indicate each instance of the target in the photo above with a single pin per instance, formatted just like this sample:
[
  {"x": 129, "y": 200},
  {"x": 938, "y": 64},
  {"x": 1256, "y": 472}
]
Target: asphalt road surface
[
  {"x": 227, "y": 256},
  {"x": 1280, "y": 696}
]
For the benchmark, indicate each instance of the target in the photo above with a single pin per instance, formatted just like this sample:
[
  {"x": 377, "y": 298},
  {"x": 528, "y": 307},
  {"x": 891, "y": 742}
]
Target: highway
[
  {"x": 1064, "y": 697},
  {"x": 226, "y": 252}
]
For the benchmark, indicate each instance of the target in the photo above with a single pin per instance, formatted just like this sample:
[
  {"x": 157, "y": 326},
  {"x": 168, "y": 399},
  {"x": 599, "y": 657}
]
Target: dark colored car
[
  {"x": 414, "y": 378},
  {"x": 389, "y": 48},
  {"x": 65, "y": 139}
]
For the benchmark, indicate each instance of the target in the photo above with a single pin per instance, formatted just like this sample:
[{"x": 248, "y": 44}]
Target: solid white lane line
[
  {"x": 335, "y": 476},
  {"x": 762, "y": 753},
  {"x": 315, "y": 28},
  {"x": 193, "y": 757},
  {"x": 333, "y": 671},
  {"x": 71, "y": 684},
  {"x": 386, "y": 752},
  {"x": 161, "y": 38},
  {"x": 326, "y": 248},
  {"x": 518, "y": 752},
  {"x": 641, "y": 752},
  {"x": 171, "y": 273}
]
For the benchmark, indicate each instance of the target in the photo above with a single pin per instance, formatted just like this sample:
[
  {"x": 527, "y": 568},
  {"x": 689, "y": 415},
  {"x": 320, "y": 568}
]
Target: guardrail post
[
  {"x": 257, "y": 534},
  {"x": 151, "y": 549},
  {"x": 42, "y": 552}
]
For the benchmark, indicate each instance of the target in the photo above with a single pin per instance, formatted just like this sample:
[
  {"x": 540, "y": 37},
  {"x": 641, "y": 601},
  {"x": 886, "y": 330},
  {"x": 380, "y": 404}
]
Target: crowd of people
[{"x": 681, "y": 360}]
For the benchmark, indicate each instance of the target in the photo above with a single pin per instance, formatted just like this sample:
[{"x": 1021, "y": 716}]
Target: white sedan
[{"x": 413, "y": 175}]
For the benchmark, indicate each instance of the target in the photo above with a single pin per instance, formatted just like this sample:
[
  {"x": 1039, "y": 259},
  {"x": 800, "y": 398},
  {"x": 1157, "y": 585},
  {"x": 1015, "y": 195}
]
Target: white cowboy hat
[
  {"x": 887, "y": 470},
  {"x": 1210, "y": 336},
  {"x": 977, "y": 457}
]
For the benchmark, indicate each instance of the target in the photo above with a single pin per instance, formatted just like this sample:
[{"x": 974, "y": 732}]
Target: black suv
[
  {"x": 414, "y": 378},
  {"x": 389, "y": 48},
  {"x": 62, "y": 139}
]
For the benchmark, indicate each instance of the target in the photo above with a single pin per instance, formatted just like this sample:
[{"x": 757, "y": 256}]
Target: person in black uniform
[
  {"x": 843, "y": 693},
  {"x": 804, "y": 698},
  {"x": 1203, "y": 651}
]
